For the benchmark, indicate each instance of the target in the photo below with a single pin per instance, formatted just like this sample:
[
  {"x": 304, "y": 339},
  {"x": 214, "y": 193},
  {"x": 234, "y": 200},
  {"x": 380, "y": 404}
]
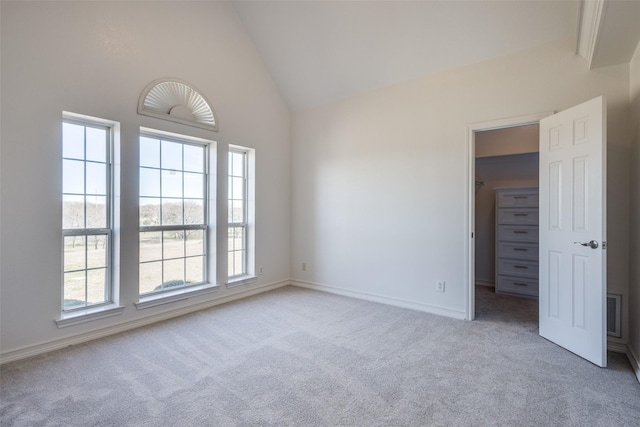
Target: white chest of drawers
[{"x": 517, "y": 241}]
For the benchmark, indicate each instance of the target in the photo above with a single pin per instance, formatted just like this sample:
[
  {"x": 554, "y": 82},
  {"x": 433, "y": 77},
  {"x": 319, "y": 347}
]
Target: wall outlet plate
[{"x": 440, "y": 286}]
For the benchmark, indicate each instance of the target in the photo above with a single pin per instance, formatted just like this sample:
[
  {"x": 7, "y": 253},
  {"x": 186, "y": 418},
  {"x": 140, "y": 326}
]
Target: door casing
[{"x": 470, "y": 293}]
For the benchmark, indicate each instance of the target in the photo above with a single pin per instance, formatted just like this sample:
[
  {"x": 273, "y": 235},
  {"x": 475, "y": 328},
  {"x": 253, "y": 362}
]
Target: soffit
[{"x": 618, "y": 34}]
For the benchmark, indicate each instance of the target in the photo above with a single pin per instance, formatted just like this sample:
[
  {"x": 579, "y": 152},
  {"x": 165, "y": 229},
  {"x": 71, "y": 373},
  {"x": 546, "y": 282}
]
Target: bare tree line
[{"x": 74, "y": 218}]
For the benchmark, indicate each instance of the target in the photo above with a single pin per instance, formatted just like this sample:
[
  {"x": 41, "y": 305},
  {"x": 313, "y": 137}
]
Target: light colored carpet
[{"x": 294, "y": 357}]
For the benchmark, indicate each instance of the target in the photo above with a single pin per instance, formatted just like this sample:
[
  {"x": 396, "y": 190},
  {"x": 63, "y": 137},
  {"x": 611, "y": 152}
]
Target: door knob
[{"x": 592, "y": 244}]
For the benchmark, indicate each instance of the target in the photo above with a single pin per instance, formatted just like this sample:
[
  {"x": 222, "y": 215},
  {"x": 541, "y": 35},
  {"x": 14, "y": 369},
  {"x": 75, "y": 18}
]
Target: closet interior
[{"x": 506, "y": 210}]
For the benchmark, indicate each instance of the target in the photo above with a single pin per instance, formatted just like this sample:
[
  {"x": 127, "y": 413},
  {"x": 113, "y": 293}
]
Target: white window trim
[
  {"x": 165, "y": 98},
  {"x": 244, "y": 224},
  {"x": 153, "y": 299},
  {"x": 245, "y": 279},
  {"x": 250, "y": 274},
  {"x": 110, "y": 307},
  {"x": 88, "y": 315},
  {"x": 181, "y": 294}
]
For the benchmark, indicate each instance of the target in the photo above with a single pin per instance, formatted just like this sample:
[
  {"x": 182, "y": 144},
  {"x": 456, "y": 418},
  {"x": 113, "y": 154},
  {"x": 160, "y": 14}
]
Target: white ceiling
[
  {"x": 322, "y": 51},
  {"x": 319, "y": 51}
]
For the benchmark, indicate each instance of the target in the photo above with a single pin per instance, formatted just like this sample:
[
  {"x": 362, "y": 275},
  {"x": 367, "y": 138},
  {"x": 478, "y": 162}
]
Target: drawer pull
[
  {"x": 520, "y": 214},
  {"x": 520, "y": 197},
  {"x": 521, "y": 249},
  {"x": 520, "y": 266},
  {"x": 520, "y": 284},
  {"x": 520, "y": 232}
]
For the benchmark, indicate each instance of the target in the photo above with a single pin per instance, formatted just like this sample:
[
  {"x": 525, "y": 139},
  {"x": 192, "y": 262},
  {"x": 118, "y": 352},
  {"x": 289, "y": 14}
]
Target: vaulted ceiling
[{"x": 321, "y": 51}]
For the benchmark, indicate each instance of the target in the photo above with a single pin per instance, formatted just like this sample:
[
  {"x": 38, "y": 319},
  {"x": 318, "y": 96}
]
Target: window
[
  {"x": 173, "y": 213},
  {"x": 87, "y": 219},
  {"x": 240, "y": 214}
]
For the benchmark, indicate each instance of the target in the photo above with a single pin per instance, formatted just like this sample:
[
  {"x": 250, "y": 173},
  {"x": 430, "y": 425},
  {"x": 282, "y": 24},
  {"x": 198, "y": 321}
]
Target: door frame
[{"x": 470, "y": 237}]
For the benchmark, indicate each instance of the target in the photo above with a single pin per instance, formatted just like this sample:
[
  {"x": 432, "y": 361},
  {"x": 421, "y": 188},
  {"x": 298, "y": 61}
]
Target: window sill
[
  {"x": 242, "y": 280},
  {"x": 88, "y": 315},
  {"x": 174, "y": 296}
]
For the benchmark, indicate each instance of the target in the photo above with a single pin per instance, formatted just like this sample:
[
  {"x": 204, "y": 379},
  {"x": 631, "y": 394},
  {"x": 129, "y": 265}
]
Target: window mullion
[
  {"x": 161, "y": 182},
  {"x": 109, "y": 183},
  {"x": 84, "y": 206},
  {"x": 245, "y": 193},
  {"x": 184, "y": 232},
  {"x": 86, "y": 270},
  {"x": 84, "y": 231},
  {"x": 84, "y": 172},
  {"x": 162, "y": 257},
  {"x": 148, "y": 228}
]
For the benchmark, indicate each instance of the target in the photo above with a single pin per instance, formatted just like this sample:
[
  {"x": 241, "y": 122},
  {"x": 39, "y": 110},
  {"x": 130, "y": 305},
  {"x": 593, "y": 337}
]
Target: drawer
[
  {"x": 518, "y": 233},
  {"x": 526, "y": 251},
  {"x": 518, "y": 216},
  {"x": 517, "y": 199},
  {"x": 516, "y": 267},
  {"x": 513, "y": 285}
]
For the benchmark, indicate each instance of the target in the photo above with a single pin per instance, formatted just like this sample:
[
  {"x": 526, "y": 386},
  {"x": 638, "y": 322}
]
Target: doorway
[
  {"x": 473, "y": 131},
  {"x": 571, "y": 226},
  {"x": 506, "y": 169}
]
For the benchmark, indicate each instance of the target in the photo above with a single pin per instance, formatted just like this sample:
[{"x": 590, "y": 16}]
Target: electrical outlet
[
  {"x": 260, "y": 271},
  {"x": 440, "y": 286},
  {"x": 304, "y": 266}
]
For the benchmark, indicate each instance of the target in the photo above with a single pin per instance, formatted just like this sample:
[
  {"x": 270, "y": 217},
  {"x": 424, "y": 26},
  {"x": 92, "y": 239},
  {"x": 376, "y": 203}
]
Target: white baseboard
[
  {"x": 635, "y": 361},
  {"x": 34, "y": 350},
  {"x": 381, "y": 299},
  {"x": 628, "y": 351},
  {"x": 617, "y": 347},
  {"x": 489, "y": 283}
]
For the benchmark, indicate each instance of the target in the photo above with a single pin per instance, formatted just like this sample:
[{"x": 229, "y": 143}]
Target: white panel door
[{"x": 573, "y": 230}]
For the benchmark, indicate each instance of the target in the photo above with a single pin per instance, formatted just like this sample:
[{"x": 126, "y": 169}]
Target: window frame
[
  {"x": 150, "y": 298},
  {"x": 247, "y": 275},
  {"x": 244, "y": 223},
  {"x": 107, "y": 231}
]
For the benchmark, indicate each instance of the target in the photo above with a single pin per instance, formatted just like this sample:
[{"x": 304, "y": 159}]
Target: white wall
[
  {"x": 514, "y": 140},
  {"x": 379, "y": 199},
  {"x": 95, "y": 59},
  {"x": 634, "y": 259},
  {"x": 515, "y": 170}
]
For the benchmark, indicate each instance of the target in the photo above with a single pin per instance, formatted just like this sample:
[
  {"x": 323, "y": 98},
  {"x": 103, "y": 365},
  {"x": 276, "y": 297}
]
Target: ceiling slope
[{"x": 322, "y": 51}]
